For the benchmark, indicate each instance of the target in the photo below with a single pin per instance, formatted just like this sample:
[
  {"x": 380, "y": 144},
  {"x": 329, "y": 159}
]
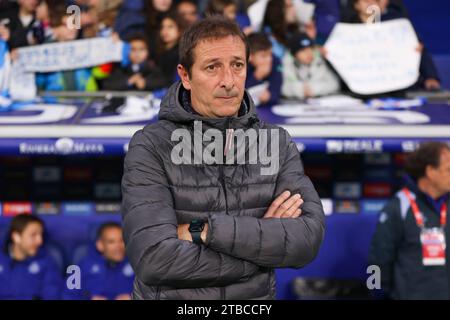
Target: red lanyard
[{"x": 418, "y": 215}]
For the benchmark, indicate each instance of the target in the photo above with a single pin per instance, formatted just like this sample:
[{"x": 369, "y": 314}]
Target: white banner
[
  {"x": 375, "y": 58},
  {"x": 60, "y": 56},
  {"x": 70, "y": 55}
]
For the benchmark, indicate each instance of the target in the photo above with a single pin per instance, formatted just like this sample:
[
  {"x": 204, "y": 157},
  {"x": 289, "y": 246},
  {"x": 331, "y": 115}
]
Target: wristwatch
[{"x": 195, "y": 228}]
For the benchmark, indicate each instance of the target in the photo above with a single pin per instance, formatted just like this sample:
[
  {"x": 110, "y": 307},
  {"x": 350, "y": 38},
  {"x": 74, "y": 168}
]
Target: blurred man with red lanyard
[{"x": 410, "y": 244}]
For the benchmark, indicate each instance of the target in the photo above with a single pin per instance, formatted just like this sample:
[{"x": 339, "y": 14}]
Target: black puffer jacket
[{"x": 241, "y": 249}]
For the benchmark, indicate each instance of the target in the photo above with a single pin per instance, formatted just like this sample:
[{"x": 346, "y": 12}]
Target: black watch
[{"x": 195, "y": 228}]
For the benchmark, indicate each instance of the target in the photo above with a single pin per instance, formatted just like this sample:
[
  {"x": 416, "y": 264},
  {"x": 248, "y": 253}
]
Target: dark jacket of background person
[
  {"x": 397, "y": 250},
  {"x": 241, "y": 250},
  {"x": 19, "y": 34},
  {"x": 167, "y": 61},
  {"x": 100, "y": 277},
  {"x": 34, "y": 278},
  {"x": 275, "y": 79},
  {"x": 118, "y": 80},
  {"x": 129, "y": 19}
]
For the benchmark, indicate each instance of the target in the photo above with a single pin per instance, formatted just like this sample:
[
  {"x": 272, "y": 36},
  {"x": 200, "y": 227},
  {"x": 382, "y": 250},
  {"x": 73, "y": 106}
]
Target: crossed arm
[{"x": 285, "y": 237}]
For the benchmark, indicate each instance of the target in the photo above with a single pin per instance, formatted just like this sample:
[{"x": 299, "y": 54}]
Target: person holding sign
[
  {"x": 409, "y": 244},
  {"x": 362, "y": 11},
  {"x": 305, "y": 72}
]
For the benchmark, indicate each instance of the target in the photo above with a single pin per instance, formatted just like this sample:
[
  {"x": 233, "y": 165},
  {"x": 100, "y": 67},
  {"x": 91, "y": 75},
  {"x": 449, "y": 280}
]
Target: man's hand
[
  {"x": 98, "y": 298},
  {"x": 285, "y": 206},
  {"x": 307, "y": 92},
  {"x": 432, "y": 84},
  {"x": 184, "y": 234},
  {"x": 137, "y": 80},
  {"x": 264, "y": 96},
  {"x": 123, "y": 296}
]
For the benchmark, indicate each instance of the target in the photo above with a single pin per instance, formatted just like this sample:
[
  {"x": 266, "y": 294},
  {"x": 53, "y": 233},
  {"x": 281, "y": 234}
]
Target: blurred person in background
[
  {"x": 279, "y": 24},
  {"x": 188, "y": 11},
  {"x": 27, "y": 271},
  {"x": 154, "y": 12},
  {"x": 230, "y": 10},
  {"x": 19, "y": 26},
  {"x": 170, "y": 32},
  {"x": 103, "y": 14},
  {"x": 305, "y": 73},
  {"x": 263, "y": 67},
  {"x": 140, "y": 74},
  {"x": 409, "y": 244},
  {"x": 358, "y": 12},
  {"x": 106, "y": 273}
]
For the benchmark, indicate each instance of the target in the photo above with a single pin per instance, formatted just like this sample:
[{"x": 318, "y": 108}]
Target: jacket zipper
[{"x": 228, "y": 138}]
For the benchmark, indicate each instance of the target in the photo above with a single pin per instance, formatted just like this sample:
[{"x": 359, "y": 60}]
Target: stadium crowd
[{"x": 286, "y": 52}]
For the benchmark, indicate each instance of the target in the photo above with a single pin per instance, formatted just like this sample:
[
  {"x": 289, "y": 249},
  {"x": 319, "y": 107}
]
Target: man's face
[
  {"x": 28, "y": 5},
  {"x": 440, "y": 176},
  {"x": 262, "y": 58},
  {"x": 305, "y": 56},
  {"x": 188, "y": 12},
  {"x": 30, "y": 240},
  {"x": 111, "y": 244},
  {"x": 138, "y": 52},
  {"x": 217, "y": 80}
]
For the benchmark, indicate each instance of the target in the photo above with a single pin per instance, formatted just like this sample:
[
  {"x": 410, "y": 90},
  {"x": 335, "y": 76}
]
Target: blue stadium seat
[{"x": 57, "y": 253}]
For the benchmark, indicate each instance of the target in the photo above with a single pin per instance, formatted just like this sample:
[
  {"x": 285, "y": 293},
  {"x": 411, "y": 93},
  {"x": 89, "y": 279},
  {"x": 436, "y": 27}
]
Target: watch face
[{"x": 196, "y": 226}]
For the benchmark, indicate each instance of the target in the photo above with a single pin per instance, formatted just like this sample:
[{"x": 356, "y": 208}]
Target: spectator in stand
[
  {"x": 103, "y": 13},
  {"x": 155, "y": 11},
  {"x": 264, "y": 67},
  {"x": 48, "y": 13},
  {"x": 19, "y": 26},
  {"x": 130, "y": 19},
  {"x": 229, "y": 9},
  {"x": 140, "y": 74},
  {"x": 326, "y": 14},
  {"x": 429, "y": 78},
  {"x": 105, "y": 272},
  {"x": 305, "y": 72},
  {"x": 27, "y": 271},
  {"x": 279, "y": 23},
  {"x": 71, "y": 80},
  {"x": 188, "y": 11},
  {"x": 170, "y": 32}
]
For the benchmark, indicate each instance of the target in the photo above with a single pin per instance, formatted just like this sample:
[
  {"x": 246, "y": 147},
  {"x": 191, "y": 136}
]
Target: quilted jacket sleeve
[
  {"x": 157, "y": 255},
  {"x": 285, "y": 242}
]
